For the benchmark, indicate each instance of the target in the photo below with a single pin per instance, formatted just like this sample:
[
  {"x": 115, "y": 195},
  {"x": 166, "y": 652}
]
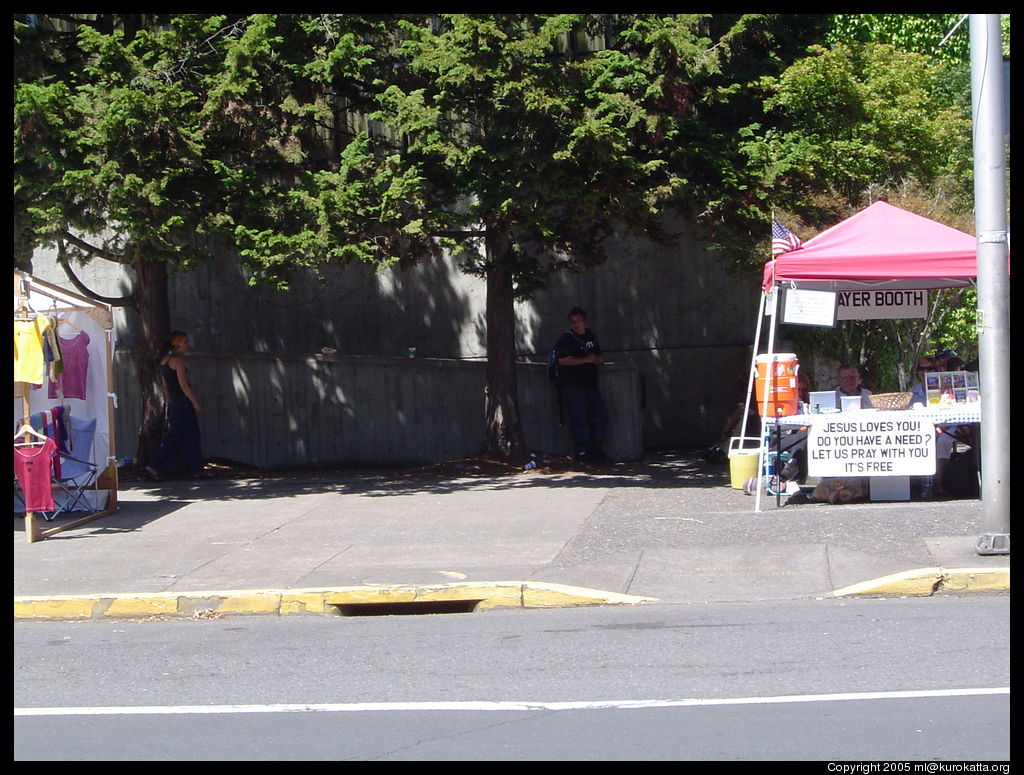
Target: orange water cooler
[{"x": 777, "y": 373}]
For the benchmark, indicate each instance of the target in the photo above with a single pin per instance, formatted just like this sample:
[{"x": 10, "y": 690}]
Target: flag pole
[
  {"x": 783, "y": 241},
  {"x": 769, "y": 305}
]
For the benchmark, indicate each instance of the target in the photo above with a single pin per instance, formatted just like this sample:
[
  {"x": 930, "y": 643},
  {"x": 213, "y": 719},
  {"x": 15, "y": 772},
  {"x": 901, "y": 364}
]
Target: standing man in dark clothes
[{"x": 579, "y": 355}]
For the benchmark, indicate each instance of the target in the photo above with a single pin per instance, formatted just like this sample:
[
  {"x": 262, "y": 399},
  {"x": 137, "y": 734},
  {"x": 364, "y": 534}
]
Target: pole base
[
  {"x": 993, "y": 543},
  {"x": 33, "y": 532}
]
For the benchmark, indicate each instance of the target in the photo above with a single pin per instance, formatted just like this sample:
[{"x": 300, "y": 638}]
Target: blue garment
[
  {"x": 181, "y": 440},
  {"x": 917, "y": 395},
  {"x": 588, "y": 417},
  {"x": 171, "y": 380}
]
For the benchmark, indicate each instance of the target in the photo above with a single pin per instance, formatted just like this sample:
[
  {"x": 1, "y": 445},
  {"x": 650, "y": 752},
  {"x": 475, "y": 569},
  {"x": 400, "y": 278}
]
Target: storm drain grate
[{"x": 418, "y": 608}]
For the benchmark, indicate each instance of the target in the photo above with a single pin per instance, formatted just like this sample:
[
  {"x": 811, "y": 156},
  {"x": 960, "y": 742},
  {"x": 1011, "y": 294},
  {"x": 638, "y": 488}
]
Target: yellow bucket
[{"x": 742, "y": 466}]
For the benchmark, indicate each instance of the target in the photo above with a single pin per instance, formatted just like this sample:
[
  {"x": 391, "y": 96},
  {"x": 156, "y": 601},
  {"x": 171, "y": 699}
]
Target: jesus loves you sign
[{"x": 871, "y": 444}]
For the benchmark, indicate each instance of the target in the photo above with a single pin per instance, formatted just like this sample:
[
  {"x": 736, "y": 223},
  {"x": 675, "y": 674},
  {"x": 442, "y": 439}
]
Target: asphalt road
[{"x": 899, "y": 679}]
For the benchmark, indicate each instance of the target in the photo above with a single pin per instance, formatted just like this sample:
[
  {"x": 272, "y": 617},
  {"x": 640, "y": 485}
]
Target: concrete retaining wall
[
  {"x": 281, "y": 411},
  {"x": 677, "y": 317}
]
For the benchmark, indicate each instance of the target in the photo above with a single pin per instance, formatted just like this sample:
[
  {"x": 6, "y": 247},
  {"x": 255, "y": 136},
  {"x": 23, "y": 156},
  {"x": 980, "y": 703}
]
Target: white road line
[{"x": 369, "y": 707}]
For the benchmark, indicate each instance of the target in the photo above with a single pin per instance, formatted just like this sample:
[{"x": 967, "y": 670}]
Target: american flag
[{"x": 783, "y": 240}]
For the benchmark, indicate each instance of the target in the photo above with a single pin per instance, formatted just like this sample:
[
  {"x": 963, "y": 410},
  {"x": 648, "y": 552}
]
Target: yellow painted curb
[
  {"x": 54, "y": 608},
  {"x": 560, "y": 596},
  {"x": 928, "y": 581},
  {"x": 511, "y": 594},
  {"x": 921, "y": 581},
  {"x": 140, "y": 605},
  {"x": 976, "y": 579}
]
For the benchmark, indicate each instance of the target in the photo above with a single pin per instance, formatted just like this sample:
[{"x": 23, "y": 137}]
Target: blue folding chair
[{"x": 77, "y": 472}]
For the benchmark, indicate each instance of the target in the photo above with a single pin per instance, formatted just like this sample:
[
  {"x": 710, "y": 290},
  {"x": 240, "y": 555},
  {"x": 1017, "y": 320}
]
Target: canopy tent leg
[
  {"x": 753, "y": 359},
  {"x": 771, "y": 309}
]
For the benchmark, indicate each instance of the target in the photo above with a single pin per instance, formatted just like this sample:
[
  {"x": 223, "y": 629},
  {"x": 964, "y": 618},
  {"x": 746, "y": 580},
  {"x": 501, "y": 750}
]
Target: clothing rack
[{"x": 61, "y": 302}]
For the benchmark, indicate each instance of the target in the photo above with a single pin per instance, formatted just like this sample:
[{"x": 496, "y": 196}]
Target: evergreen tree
[{"x": 519, "y": 142}]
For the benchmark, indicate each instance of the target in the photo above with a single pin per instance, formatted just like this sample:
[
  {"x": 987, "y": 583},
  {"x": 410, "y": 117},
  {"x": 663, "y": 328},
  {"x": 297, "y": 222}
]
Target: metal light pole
[{"x": 993, "y": 281}]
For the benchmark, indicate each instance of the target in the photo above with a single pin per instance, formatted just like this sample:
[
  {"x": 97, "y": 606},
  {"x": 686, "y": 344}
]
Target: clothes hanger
[
  {"x": 65, "y": 322},
  {"x": 24, "y": 311},
  {"x": 27, "y": 430}
]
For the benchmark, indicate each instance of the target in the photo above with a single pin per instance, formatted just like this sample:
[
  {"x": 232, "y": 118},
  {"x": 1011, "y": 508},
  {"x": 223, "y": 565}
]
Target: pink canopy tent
[{"x": 881, "y": 246}]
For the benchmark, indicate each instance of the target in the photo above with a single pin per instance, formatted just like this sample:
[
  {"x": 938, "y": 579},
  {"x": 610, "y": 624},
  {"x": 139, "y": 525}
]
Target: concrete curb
[
  {"x": 929, "y": 581},
  {"x": 477, "y": 596}
]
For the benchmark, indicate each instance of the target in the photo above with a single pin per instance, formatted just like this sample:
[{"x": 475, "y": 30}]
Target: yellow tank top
[{"x": 28, "y": 349}]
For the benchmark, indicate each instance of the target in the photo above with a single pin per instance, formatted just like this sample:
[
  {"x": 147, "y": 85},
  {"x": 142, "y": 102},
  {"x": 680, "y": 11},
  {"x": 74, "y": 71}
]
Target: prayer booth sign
[
  {"x": 882, "y": 304},
  {"x": 866, "y": 444}
]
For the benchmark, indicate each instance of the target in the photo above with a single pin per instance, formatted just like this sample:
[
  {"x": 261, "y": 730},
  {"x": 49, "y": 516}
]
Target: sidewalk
[{"x": 668, "y": 529}]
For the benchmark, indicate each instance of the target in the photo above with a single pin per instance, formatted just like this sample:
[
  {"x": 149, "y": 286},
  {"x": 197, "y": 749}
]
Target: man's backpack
[
  {"x": 553, "y": 366},
  {"x": 555, "y": 381}
]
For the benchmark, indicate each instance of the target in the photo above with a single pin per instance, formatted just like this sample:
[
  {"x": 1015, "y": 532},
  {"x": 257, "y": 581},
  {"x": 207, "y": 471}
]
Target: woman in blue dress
[{"x": 181, "y": 439}]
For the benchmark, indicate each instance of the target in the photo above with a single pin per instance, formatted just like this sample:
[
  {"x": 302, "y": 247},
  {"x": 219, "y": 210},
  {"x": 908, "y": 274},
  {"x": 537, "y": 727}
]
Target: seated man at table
[
  {"x": 848, "y": 378},
  {"x": 795, "y": 443}
]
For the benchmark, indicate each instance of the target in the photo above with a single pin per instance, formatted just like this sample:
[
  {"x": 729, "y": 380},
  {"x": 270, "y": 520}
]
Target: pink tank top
[
  {"x": 75, "y": 354},
  {"x": 32, "y": 466}
]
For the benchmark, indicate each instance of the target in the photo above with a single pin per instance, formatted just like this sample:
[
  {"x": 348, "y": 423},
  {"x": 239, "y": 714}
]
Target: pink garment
[
  {"x": 75, "y": 354},
  {"x": 51, "y": 431},
  {"x": 32, "y": 466}
]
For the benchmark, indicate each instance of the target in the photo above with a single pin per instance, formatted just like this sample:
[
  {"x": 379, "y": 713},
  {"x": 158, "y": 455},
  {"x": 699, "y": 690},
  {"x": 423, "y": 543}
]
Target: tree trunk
[
  {"x": 504, "y": 437},
  {"x": 149, "y": 297}
]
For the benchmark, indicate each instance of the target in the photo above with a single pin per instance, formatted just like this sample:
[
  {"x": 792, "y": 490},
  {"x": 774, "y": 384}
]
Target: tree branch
[
  {"x": 92, "y": 250},
  {"x": 62, "y": 259}
]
